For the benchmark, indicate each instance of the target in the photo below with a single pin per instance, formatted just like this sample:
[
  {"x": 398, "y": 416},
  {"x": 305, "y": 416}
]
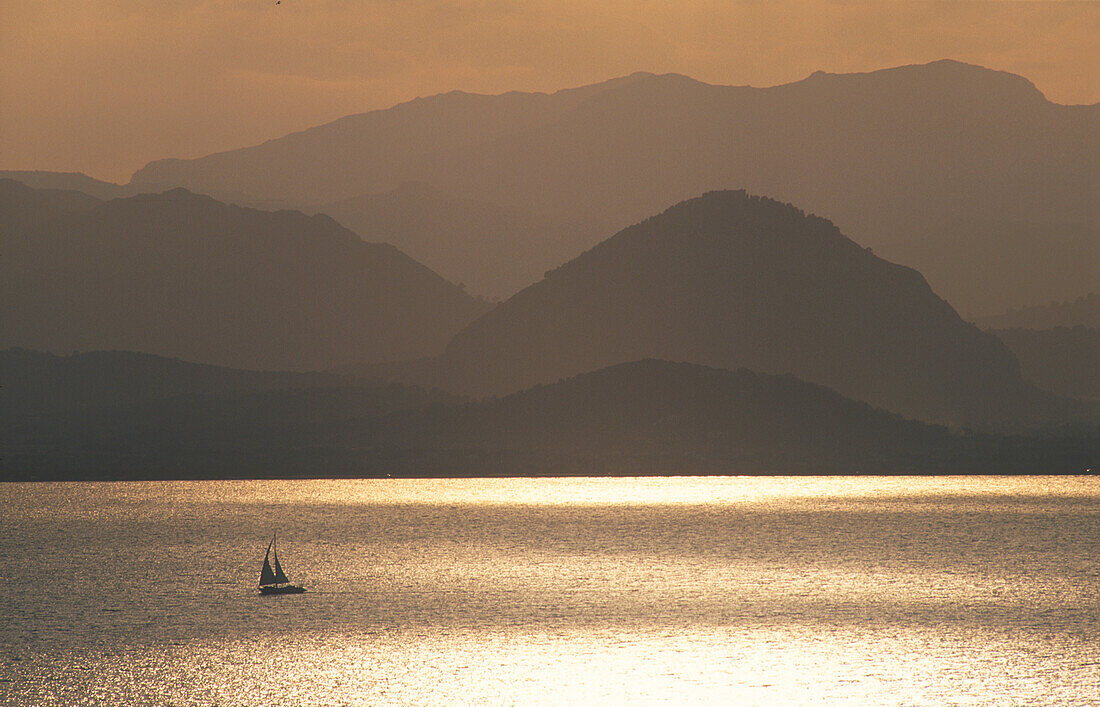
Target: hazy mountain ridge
[
  {"x": 22, "y": 207},
  {"x": 968, "y": 175},
  {"x": 1083, "y": 311},
  {"x": 734, "y": 281},
  {"x": 34, "y": 382},
  {"x": 655, "y": 416},
  {"x": 643, "y": 417},
  {"x": 117, "y": 414},
  {"x": 185, "y": 276},
  {"x": 69, "y": 181},
  {"x": 1063, "y": 360},
  {"x": 402, "y": 134}
]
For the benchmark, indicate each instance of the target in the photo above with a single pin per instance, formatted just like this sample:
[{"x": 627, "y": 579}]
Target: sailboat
[{"x": 275, "y": 581}]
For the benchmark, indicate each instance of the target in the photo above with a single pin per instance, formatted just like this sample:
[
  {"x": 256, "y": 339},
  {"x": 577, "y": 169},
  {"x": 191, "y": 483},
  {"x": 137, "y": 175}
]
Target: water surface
[{"x": 957, "y": 590}]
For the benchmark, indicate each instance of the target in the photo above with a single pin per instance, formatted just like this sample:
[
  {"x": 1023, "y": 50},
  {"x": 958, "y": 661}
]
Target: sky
[{"x": 105, "y": 86}]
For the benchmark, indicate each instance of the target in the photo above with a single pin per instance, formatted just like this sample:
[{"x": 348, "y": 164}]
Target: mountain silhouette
[
  {"x": 639, "y": 418},
  {"x": 372, "y": 152},
  {"x": 23, "y": 208},
  {"x": 653, "y": 416},
  {"x": 68, "y": 181},
  {"x": 119, "y": 414},
  {"x": 735, "y": 281},
  {"x": 185, "y": 276},
  {"x": 967, "y": 174},
  {"x": 35, "y": 382}
]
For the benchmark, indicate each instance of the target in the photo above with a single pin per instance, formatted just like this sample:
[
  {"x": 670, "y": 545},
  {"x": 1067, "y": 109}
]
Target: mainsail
[
  {"x": 280, "y": 578},
  {"x": 266, "y": 575}
]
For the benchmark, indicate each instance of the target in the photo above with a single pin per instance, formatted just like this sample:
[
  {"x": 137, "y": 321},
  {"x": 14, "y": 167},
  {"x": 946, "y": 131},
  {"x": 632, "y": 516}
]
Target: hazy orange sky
[{"x": 104, "y": 86}]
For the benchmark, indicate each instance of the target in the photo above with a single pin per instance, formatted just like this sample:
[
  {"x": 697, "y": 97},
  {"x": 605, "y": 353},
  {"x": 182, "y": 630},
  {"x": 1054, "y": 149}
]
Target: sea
[{"x": 734, "y": 590}]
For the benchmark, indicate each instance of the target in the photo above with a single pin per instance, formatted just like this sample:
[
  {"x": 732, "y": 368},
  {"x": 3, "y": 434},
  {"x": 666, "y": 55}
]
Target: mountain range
[
  {"x": 69, "y": 181},
  {"x": 731, "y": 280},
  {"x": 726, "y": 280},
  {"x": 118, "y": 414},
  {"x": 639, "y": 418},
  {"x": 40, "y": 383},
  {"x": 183, "y": 275},
  {"x": 300, "y": 317},
  {"x": 968, "y": 175}
]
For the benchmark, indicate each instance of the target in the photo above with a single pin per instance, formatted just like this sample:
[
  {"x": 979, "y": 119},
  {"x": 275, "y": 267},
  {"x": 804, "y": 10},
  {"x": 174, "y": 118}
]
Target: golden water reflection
[
  {"x": 744, "y": 491},
  {"x": 744, "y": 590}
]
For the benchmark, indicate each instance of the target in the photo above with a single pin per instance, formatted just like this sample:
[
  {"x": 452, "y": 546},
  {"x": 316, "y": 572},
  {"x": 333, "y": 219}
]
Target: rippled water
[{"x": 525, "y": 591}]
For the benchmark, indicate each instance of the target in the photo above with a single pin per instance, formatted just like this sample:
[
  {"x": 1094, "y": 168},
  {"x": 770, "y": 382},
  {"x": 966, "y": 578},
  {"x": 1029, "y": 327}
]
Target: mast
[{"x": 266, "y": 575}]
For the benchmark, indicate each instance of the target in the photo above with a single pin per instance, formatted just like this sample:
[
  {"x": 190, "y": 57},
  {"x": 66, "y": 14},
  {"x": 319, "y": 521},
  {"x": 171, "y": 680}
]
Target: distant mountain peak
[
  {"x": 182, "y": 194},
  {"x": 177, "y": 197},
  {"x": 734, "y": 280},
  {"x": 183, "y": 275},
  {"x": 645, "y": 76},
  {"x": 738, "y": 218},
  {"x": 941, "y": 75}
]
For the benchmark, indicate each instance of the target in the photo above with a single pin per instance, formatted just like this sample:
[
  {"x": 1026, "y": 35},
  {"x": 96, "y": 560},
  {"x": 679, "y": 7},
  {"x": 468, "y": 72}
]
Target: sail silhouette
[
  {"x": 275, "y": 581},
  {"x": 266, "y": 575},
  {"x": 280, "y": 577}
]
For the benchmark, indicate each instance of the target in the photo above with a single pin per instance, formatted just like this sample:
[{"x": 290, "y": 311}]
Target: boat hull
[{"x": 282, "y": 589}]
